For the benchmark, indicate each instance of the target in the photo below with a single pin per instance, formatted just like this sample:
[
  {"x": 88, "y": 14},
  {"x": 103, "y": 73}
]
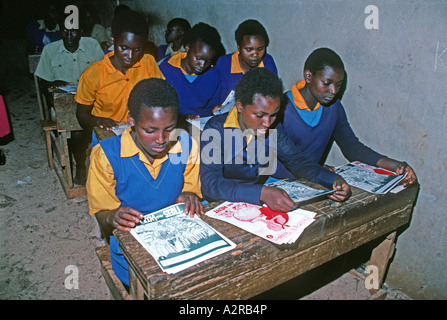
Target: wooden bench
[{"x": 116, "y": 287}]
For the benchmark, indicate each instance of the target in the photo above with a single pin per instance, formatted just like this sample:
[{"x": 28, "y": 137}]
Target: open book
[
  {"x": 227, "y": 105},
  {"x": 177, "y": 241},
  {"x": 369, "y": 178},
  {"x": 297, "y": 191},
  {"x": 277, "y": 227}
]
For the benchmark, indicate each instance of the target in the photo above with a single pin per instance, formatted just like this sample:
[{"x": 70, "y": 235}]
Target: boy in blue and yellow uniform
[
  {"x": 314, "y": 115},
  {"x": 189, "y": 72},
  {"x": 234, "y": 162},
  {"x": 252, "y": 42},
  {"x": 142, "y": 170}
]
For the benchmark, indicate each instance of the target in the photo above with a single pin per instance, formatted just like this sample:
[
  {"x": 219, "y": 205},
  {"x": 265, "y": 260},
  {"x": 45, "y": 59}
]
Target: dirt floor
[{"x": 47, "y": 238}]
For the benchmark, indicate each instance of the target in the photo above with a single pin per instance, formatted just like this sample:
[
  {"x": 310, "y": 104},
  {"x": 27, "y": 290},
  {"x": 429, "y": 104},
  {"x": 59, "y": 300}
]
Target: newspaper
[
  {"x": 369, "y": 178},
  {"x": 297, "y": 191},
  {"x": 227, "y": 105},
  {"x": 277, "y": 227},
  {"x": 177, "y": 241}
]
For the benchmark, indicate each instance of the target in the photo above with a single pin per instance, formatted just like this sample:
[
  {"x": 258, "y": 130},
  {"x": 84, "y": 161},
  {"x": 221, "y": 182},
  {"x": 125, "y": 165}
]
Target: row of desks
[{"x": 257, "y": 265}]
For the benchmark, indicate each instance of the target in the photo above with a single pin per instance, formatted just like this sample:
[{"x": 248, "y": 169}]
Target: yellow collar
[
  {"x": 298, "y": 99},
  {"x": 236, "y": 66},
  {"x": 232, "y": 122},
  {"x": 176, "y": 61}
]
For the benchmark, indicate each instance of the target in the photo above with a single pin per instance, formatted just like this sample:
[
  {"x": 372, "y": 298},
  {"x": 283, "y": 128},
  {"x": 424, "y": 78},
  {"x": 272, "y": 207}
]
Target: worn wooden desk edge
[{"x": 156, "y": 274}]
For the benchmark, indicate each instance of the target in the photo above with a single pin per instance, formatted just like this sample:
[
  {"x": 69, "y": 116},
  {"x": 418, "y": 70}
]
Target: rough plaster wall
[{"x": 395, "y": 98}]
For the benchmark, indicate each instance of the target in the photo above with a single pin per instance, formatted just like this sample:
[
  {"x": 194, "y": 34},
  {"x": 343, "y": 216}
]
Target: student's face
[
  {"x": 128, "y": 49},
  {"x": 252, "y": 50},
  {"x": 199, "y": 57},
  {"x": 324, "y": 84},
  {"x": 153, "y": 129},
  {"x": 260, "y": 115},
  {"x": 71, "y": 38},
  {"x": 173, "y": 33}
]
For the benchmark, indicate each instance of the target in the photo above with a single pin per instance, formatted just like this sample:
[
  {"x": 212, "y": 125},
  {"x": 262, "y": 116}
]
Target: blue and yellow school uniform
[
  {"x": 235, "y": 172},
  {"x": 198, "y": 94},
  {"x": 120, "y": 175},
  {"x": 230, "y": 71},
  {"x": 312, "y": 130}
]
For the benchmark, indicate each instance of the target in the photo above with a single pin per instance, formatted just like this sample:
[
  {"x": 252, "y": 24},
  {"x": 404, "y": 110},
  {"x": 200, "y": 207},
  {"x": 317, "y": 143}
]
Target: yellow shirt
[
  {"x": 101, "y": 180},
  {"x": 107, "y": 89},
  {"x": 232, "y": 122}
]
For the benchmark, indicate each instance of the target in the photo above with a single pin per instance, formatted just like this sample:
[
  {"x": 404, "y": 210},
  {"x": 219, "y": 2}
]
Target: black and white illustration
[
  {"x": 177, "y": 241},
  {"x": 297, "y": 191},
  {"x": 367, "y": 177}
]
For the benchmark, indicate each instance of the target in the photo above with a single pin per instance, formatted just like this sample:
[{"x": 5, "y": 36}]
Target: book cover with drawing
[
  {"x": 297, "y": 191},
  {"x": 277, "y": 227},
  {"x": 177, "y": 241},
  {"x": 369, "y": 178}
]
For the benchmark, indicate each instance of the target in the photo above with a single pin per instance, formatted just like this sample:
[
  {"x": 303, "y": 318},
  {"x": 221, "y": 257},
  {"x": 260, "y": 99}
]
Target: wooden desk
[
  {"x": 257, "y": 265},
  {"x": 57, "y": 134}
]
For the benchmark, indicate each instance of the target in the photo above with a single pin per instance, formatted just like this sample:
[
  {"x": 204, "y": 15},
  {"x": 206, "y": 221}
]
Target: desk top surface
[
  {"x": 65, "y": 108},
  {"x": 334, "y": 220}
]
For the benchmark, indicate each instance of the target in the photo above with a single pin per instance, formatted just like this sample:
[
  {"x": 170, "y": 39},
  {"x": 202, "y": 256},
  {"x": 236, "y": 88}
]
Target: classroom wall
[{"x": 395, "y": 98}]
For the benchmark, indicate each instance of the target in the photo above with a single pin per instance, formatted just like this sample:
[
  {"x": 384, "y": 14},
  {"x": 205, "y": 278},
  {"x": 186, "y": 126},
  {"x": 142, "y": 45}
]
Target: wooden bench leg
[
  {"x": 115, "y": 286},
  {"x": 47, "y": 127},
  {"x": 380, "y": 258}
]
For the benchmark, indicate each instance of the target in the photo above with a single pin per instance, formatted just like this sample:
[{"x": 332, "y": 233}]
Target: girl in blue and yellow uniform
[
  {"x": 142, "y": 170},
  {"x": 190, "y": 72}
]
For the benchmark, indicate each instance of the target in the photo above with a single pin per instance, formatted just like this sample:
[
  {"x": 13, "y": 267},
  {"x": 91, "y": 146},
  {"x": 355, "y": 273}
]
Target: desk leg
[
  {"x": 380, "y": 257},
  {"x": 67, "y": 169},
  {"x": 136, "y": 289}
]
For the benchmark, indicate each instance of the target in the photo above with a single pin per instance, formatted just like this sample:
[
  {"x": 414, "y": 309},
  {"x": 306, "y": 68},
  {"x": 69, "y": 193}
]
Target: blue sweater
[
  {"x": 312, "y": 141},
  {"x": 229, "y": 80},
  {"x": 198, "y": 97},
  {"x": 233, "y": 172}
]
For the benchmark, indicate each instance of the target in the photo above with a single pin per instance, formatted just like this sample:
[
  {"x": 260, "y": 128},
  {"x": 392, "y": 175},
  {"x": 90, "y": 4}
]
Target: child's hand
[
  {"x": 125, "y": 218},
  {"x": 411, "y": 175},
  {"x": 192, "y": 203},
  {"x": 277, "y": 199},
  {"x": 342, "y": 190}
]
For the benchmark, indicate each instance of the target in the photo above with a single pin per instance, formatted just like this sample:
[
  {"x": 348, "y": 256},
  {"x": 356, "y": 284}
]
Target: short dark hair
[
  {"x": 207, "y": 34},
  {"x": 258, "y": 81},
  {"x": 183, "y": 24},
  {"x": 130, "y": 21},
  {"x": 251, "y": 28},
  {"x": 322, "y": 57},
  {"x": 152, "y": 93}
]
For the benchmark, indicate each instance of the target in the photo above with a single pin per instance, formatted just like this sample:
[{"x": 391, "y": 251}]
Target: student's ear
[
  {"x": 239, "y": 106},
  {"x": 307, "y": 76}
]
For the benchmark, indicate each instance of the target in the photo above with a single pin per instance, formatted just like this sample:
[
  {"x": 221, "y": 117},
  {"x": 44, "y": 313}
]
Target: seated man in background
[
  {"x": 314, "y": 115},
  {"x": 105, "y": 85},
  {"x": 234, "y": 164},
  {"x": 62, "y": 62},
  {"x": 139, "y": 172}
]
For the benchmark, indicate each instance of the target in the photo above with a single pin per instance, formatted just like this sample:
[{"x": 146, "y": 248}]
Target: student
[
  {"x": 105, "y": 85},
  {"x": 138, "y": 172},
  {"x": 92, "y": 27},
  {"x": 252, "y": 42},
  {"x": 314, "y": 115},
  {"x": 235, "y": 171},
  {"x": 190, "y": 74},
  {"x": 63, "y": 62},
  {"x": 41, "y": 32},
  {"x": 175, "y": 30}
]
